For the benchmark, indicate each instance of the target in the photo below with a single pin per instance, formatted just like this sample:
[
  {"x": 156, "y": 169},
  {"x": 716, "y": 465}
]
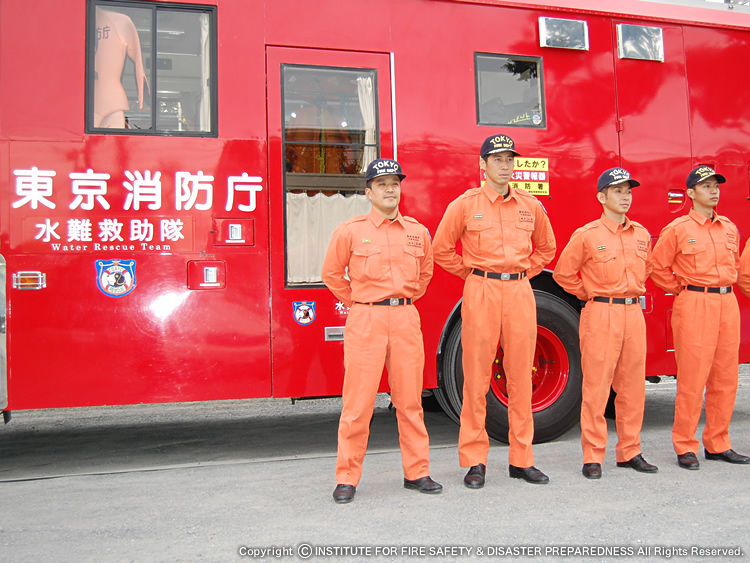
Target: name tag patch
[
  {"x": 414, "y": 240},
  {"x": 525, "y": 215}
]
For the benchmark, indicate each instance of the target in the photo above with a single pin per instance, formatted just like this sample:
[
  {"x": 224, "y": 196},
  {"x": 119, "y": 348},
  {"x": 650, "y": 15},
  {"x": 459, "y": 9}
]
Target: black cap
[
  {"x": 615, "y": 176},
  {"x": 383, "y": 167},
  {"x": 498, "y": 143},
  {"x": 701, "y": 173}
]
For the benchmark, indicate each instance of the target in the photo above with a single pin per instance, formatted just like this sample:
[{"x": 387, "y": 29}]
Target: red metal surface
[{"x": 72, "y": 345}]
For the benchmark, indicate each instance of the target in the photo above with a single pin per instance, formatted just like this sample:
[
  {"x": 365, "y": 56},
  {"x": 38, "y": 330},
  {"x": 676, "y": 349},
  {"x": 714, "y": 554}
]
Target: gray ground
[{"x": 214, "y": 481}]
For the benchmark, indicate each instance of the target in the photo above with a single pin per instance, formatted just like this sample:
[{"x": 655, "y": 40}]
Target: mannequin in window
[{"x": 116, "y": 39}]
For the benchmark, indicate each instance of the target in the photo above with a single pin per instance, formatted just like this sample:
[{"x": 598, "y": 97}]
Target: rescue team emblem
[
  {"x": 304, "y": 312},
  {"x": 115, "y": 277}
]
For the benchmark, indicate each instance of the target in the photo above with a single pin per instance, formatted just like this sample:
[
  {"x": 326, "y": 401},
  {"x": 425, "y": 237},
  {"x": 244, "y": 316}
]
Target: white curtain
[
  {"x": 310, "y": 222},
  {"x": 205, "y": 111},
  {"x": 367, "y": 107}
]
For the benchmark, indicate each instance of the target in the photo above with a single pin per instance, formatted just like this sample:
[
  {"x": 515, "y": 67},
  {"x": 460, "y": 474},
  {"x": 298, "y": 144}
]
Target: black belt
[
  {"x": 723, "y": 289},
  {"x": 391, "y": 301},
  {"x": 617, "y": 300},
  {"x": 499, "y": 276}
]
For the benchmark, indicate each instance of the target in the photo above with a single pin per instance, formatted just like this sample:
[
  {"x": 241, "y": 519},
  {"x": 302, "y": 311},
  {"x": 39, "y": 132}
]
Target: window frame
[
  {"x": 540, "y": 77},
  {"x": 155, "y": 7}
]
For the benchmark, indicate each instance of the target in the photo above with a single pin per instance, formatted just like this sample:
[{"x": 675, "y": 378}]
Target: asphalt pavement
[{"x": 252, "y": 480}]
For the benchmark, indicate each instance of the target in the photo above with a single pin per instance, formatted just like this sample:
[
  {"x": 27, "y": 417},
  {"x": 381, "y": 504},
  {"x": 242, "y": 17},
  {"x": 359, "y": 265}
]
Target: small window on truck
[
  {"x": 640, "y": 42},
  {"x": 564, "y": 34},
  {"x": 151, "y": 69},
  {"x": 509, "y": 91}
]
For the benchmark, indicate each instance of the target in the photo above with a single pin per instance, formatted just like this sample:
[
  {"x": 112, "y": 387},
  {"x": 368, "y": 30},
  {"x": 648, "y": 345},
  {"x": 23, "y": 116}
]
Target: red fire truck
[{"x": 171, "y": 172}]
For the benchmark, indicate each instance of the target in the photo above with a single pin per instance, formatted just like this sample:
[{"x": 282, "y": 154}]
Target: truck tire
[{"x": 556, "y": 378}]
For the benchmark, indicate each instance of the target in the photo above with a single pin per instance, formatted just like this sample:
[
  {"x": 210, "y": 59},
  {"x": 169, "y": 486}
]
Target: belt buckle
[
  {"x": 505, "y": 277},
  {"x": 723, "y": 289},
  {"x": 629, "y": 301},
  {"x": 393, "y": 301}
]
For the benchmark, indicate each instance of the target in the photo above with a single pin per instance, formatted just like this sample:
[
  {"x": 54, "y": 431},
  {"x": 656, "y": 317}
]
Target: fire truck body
[{"x": 172, "y": 257}]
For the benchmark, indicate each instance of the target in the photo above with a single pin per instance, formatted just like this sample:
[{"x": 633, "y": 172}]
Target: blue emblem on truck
[
  {"x": 304, "y": 312},
  {"x": 115, "y": 277}
]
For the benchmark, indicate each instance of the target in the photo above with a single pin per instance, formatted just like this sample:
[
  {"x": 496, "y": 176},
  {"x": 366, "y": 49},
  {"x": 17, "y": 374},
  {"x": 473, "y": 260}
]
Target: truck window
[
  {"x": 640, "y": 42},
  {"x": 330, "y": 136},
  {"x": 151, "y": 69},
  {"x": 564, "y": 34},
  {"x": 509, "y": 91}
]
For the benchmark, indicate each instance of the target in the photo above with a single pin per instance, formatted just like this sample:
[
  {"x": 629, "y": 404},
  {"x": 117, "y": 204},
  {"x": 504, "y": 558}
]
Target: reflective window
[
  {"x": 151, "y": 69},
  {"x": 640, "y": 42},
  {"x": 509, "y": 91},
  {"x": 564, "y": 34},
  {"x": 330, "y": 136}
]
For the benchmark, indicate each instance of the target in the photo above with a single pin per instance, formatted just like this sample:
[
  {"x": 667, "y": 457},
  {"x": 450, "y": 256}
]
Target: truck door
[
  {"x": 654, "y": 133},
  {"x": 3, "y": 345},
  {"x": 329, "y": 116}
]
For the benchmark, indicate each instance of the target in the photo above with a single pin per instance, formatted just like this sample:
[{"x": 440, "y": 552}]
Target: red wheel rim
[{"x": 550, "y": 372}]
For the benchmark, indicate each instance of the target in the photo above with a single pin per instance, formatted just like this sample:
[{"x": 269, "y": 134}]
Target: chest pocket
[
  {"x": 728, "y": 258},
  {"x": 642, "y": 256},
  {"x": 608, "y": 267},
  {"x": 698, "y": 256},
  {"x": 482, "y": 236},
  {"x": 524, "y": 230},
  {"x": 411, "y": 264},
  {"x": 367, "y": 262}
]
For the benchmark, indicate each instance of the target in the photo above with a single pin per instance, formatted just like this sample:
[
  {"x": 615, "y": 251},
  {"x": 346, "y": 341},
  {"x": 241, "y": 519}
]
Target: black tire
[{"x": 556, "y": 418}]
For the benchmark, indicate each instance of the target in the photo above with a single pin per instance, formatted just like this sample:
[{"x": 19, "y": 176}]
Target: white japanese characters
[
  {"x": 35, "y": 187},
  {"x": 143, "y": 190}
]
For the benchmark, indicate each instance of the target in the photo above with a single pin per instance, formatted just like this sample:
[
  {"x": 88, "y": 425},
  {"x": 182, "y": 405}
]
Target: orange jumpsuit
[
  {"x": 496, "y": 235},
  {"x": 696, "y": 251},
  {"x": 385, "y": 259},
  {"x": 613, "y": 261}
]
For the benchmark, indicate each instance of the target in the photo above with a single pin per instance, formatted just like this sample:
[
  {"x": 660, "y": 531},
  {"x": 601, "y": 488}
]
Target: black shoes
[
  {"x": 730, "y": 456},
  {"x": 475, "y": 477},
  {"x": 688, "y": 461},
  {"x": 639, "y": 464},
  {"x": 528, "y": 474},
  {"x": 424, "y": 485},
  {"x": 592, "y": 470},
  {"x": 344, "y": 493}
]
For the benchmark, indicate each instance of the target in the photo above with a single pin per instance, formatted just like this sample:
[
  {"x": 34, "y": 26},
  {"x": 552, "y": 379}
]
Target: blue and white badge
[
  {"x": 115, "y": 277},
  {"x": 304, "y": 312}
]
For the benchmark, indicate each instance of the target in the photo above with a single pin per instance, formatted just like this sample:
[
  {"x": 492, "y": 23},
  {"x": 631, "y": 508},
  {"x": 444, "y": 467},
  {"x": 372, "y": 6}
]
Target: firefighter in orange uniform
[
  {"x": 696, "y": 258},
  {"x": 388, "y": 259},
  {"x": 612, "y": 256},
  {"x": 496, "y": 225}
]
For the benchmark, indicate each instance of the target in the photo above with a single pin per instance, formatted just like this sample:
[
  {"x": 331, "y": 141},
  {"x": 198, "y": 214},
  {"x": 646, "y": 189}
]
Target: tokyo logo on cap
[
  {"x": 701, "y": 173},
  {"x": 498, "y": 143},
  {"x": 615, "y": 176},
  {"x": 383, "y": 167}
]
